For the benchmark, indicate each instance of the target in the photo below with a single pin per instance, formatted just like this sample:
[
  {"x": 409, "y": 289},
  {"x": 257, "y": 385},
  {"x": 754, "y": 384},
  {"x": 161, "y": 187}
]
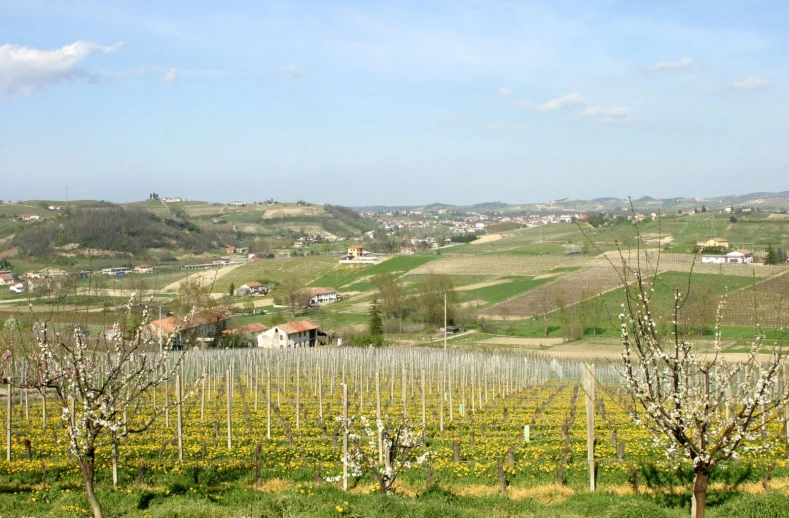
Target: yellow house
[
  {"x": 355, "y": 251},
  {"x": 717, "y": 242}
]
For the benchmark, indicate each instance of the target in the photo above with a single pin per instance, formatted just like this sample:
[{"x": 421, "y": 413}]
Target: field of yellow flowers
[{"x": 478, "y": 412}]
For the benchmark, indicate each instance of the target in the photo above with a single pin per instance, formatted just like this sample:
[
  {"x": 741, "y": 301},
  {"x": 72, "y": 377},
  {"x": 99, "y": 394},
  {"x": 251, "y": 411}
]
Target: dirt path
[
  {"x": 487, "y": 238},
  {"x": 204, "y": 277},
  {"x": 483, "y": 284}
]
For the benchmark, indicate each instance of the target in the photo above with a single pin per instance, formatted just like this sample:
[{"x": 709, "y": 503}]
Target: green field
[
  {"x": 357, "y": 278},
  {"x": 308, "y": 268}
]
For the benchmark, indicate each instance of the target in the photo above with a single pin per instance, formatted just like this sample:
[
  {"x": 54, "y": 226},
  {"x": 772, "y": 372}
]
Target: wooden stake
[
  {"x": 589, "y": 386},
  {"x": 180, "y": 424},
  {"x": 344, "y": 437},
  {"x": 229, "y": 409}
]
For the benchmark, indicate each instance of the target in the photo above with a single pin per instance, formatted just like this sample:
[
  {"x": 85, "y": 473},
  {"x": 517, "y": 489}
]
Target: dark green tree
[
  {"x": 772, "y": 256},
  {"x": 232, "y": 289},
  {"x": 375, "y": 324}
]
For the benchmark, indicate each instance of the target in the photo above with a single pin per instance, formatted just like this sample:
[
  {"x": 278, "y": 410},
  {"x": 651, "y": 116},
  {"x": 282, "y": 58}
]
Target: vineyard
[
  {"x": 507, "y": 422},
  {"x": 764, "y": 304},
  {"x": 570, "y": 289}
]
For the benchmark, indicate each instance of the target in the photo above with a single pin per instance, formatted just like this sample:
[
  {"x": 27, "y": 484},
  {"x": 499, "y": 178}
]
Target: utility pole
[{"x": 445, "y": 321}]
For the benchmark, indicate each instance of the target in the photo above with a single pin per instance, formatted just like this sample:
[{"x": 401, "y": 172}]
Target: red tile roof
[
  {"x": 252, "y": 328},
  {"x": 253, "y": 284},
  {"x": 322, "y": 291},
  {"x": 298, "y": 327},
  {"x": 170, "y": 324}
]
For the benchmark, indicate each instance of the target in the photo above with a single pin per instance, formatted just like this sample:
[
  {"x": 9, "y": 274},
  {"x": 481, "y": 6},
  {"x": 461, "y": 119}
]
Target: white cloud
[
  {"x": 566, "y": 101},
  {"x": 505, "y": 91},
  {"x": 680, "y": 64},
  {"x": 749, "y": 84},
  {"x": 611, "y": 115},
  {"x": 171, "y": 77},
  {"x": 523, "y": 103},
  {"x": 24, "y": 70},
  {"x": 288, "y": 73}
]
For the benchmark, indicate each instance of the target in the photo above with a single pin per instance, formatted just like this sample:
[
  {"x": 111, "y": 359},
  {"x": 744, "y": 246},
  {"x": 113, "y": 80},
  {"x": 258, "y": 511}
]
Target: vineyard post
[
  {"x": 320, "y": 392},
  {"x": 8, "y": 405},
  {"x": 268, "y": 400},
  {"x": 180, "y": 424},
  {"x": 589, "y": 388},
  {"x": 441, "y": 402},
  {"x": 404, "y": 383},
  {"x": 786, "y": 410},
  {"x": 44, "y": 410},
  {"x": 229, "y": 408},
  {"x": 114, "y": 459},
  {"x": 473, "y": 394},
  {"x": 202, "y": 397},
  {"x": 166, "y": 404},
  {"x": 378, "y": 412},
  {"x": 27, "y": 406},
  {"x": 424, "y": 405},
  {"x": 298, "y": 388},
  {"x": 257, "y": 375},
  {"x": 451, "y": 411},
  {"x": 344, "y": 437}
]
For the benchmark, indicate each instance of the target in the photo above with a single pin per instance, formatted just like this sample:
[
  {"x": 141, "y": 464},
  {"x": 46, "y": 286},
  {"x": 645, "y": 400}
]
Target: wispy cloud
[
  {"x": 25, "y": 70},
  {"x": 524, "y": 103},
  {"x": 611, "y": 115},
  {"x": 171, "y": 77},
  {"x": 563, "y": 102},
  {"x": 680, "y": 64},
  {"x": 505, "y": 91},
  {"x": 749, "y": 84},
  {"x": 288, "y": 73}
]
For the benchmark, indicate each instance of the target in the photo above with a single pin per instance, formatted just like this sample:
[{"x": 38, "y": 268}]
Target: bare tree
[
  {"x": 294, "y": 289},
  {"x": 96, "y": 386}
]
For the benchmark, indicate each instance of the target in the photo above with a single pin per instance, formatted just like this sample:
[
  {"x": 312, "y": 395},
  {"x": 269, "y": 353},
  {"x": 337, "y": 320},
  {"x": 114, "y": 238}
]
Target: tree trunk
[
  {"x": 88, "y": 465},
  {"x": 699, "y": 503}
]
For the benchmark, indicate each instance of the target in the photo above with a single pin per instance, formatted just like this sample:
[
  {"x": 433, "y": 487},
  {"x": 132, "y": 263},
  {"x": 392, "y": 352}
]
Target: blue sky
[{"x": 406, "y": 102}]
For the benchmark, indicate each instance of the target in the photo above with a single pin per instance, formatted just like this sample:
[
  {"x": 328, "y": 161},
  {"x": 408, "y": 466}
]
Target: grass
[
  {"x": 179, "y": 495},
  {"x": 501, "y": 292},
  {"x": 308, "y": 268},
  {"x": 345, "y": 276}
]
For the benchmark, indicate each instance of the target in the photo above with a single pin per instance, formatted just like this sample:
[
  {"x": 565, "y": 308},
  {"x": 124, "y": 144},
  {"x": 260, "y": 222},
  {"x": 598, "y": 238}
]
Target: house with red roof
[
  {"x": 303, "y": 333},
  {"x": 195, "y": 329},
  {"x": 249, "y": 289},
  {"x": 321, "y": 296}
]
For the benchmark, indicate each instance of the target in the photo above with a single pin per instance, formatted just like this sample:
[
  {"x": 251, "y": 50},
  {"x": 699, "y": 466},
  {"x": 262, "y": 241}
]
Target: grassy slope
[
  {"x": 345, "y": 276},
  {"x": 308, "y": 268},
  {"x": 181, "y": 496}
]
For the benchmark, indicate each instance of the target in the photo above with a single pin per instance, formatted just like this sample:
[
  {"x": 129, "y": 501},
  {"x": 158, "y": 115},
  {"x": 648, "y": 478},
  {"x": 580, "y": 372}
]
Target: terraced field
[
  {"x": 765, "y": 304},
  {"x": 570, "y": 287}
]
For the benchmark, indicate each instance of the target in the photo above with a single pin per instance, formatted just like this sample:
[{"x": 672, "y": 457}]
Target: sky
[{"x": 392, "y": 103}]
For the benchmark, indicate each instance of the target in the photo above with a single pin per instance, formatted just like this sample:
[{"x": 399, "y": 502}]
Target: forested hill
[{"x": 111, "y": 229}]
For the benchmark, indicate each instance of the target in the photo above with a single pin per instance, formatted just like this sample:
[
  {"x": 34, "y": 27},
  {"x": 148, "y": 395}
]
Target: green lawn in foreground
[{"x": 181, "y": 496}]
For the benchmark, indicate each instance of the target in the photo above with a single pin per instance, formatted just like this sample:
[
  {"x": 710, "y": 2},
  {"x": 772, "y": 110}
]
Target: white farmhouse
[{"x": 293, "y": 334}]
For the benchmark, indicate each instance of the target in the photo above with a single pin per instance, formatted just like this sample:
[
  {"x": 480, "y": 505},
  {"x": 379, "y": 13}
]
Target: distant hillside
[
  {"x": 110, "y": 230},
  {"x": 759, "y": 200}
]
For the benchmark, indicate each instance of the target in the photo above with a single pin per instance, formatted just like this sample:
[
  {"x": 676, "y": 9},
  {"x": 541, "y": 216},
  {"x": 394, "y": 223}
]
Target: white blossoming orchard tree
[
  {"x": 99, "y": 387},
  {"x": 695, "y": 403},
  {"x": 382, "y": 452}
]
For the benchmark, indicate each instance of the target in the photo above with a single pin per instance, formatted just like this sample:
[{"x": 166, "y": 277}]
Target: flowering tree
[
  {"x": 695, "y": 404},
  {"x": 96, "y": 385},
  {"x": 382, "y": 452}
]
